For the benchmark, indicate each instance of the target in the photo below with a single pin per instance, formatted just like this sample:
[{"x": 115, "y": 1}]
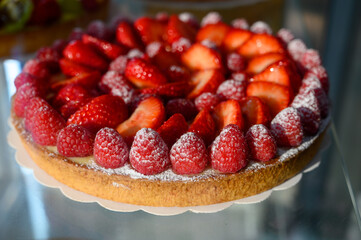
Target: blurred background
[{"x": 319, "y": 207}]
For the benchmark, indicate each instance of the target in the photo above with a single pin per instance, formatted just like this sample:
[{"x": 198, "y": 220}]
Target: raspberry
[
  {"x": 309, "y": 111},
  {"x": 239, "y": 76},
  {"x": 309, "y": 82},
  {"x": 211, "y": 18},
  {"x": 229, "y": 150},
  {"x": 24, "y": 77},
  {"x": 235, "y": 62},
  {"x": 261, "y": 27},
  {"x": 37, "y": 68},
  {"x": 181, "y": 45},
  {"x": 75, "y": 141},
  {"x": 286, "y": 128},
  {"x": 119, "y": 64},
  {"x": 310, "y": 59},
  {"x": 323, "y": 101},
  {"x": 207, "y": 100},
  {"x": 261, "y": 145},
  {"x": 149, "y": 153},
  {"x": 71, "y": 93},
  {"x": 110, "y": 149},
  {"x": 296, "y": 49},
  {"x": 23, "y": 95},
  {"x": 50, "y": 57},
  {"x": 232, "y": 89},
  {"x": 285, "y": 35},
  {"x": 321, "y": 73},
  {"x": 43, "y": 122},
  {"x": 183, "y": 106},
  {"x": 189, "y": 154},
  {"x": 189, "y": 18},
  {"x": 115, "y": 83},
  {"x": 98, "y": 29},
  {"x": 240, "y": 23}
]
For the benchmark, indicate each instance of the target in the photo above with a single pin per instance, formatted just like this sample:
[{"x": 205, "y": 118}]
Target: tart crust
[{"x": 207, "y": 190}]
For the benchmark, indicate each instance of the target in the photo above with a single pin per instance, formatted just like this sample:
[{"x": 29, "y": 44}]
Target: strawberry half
[
  {"x": 177, "y": 29},
  {"x": 127, "y": 36},
  {"x": 254, "y": 111},
  {"x": 200, "y": 57},
  {"x": 150, "y": 30},
  {"x": 149, "y": 113},
  {"x": 102, "y": 111},
  {"x": 228, "y": 112},
  {"x": 173, "y": 90},
  {"x": 172, "y": 129},
  {"x": 109, "y": 50},
  {"x": 205, "y": 81},
  {"x": 215, "y": 32},
  {"x": 86, "y": 80},
  {"x": 259, "y": 44},
  {"x": 203, "y": 125},
  {"x": 235, "y": 38},
  {"x": 143, "y": 74},
  {"x": 275, "y": 96},
  {"x": 261, "y": 62}
]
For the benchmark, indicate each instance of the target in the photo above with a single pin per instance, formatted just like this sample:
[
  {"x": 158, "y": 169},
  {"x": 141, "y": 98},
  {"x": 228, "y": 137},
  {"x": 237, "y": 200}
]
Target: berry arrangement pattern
[{"x": 171, "y": 95}]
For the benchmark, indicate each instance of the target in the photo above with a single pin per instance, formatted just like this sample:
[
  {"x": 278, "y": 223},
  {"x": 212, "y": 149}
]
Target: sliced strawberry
[
  {"x": 172, "y": 129},
  {"x": 144, "y": 74},
  {"x": 275, "y": 96},
  {"x": 71, "y": 68},
  {"x": 183, "y": 106},
  {"x": 127, "y": 36},
  {"x": 177, "y": 29},
  {"x": 215, "y": 32},
  {"x": 261, "y": 144},
  {"x": 162, "y": 58},
  {"x": 228, "y": 112},
  {"x": 259, "y": 44},
  {"x": 173, "y": 90},
  {"x": 235, "y": 38},
  {"x": 200, "y": 57},
  {"x": 254, "y": 111},
  {"x": 177, "y": 73},
  {"x": 71, "y": 107},
  {"x": 109, "y": 50},
  {"x": 203, "y": 125},
  {"x": 205, "y": 81},
  {"x": 86, "y": 80},
  {"x": 81, "y": 53},
  {"x": 150, "y": 30},
  {"x": 102, "y": 111},
  {"x": 149, "y": 113},
  {"x": 261, "y": 62}
]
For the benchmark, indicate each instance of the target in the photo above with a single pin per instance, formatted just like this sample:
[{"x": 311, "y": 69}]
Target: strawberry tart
[{"x": 172, "y": 111}]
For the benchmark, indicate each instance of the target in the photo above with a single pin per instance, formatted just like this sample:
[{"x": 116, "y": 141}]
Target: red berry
[
  {"x": 285, "y": 35},
  {"x": 172, "y": 129},
  {"x": 240, "y": 23},
  {"x": 43, "y": 122},
  {"x": 321, "y": 73},
  {"x": 110, "y": 149},
  {"x": 310, "y": 59},
  {"x": 75, "y": 141},
  {"x": 119, "y": 64},
  {"x": 260, "y": 27},
  {"x": 232, "y": 89},
  {"x": 50, "y": 56},
  {"x": 309, "y": 82},
  {"x": 261, "y": 145},
  {"x": 189, "y": 154},
  {"x": 149, "y": 153},
  {"x": 296, "y": 48},
  {"x": 99, "y": 29},
  {"x": 37, "y": 68},
  {"x": 207, "y": 101},
  {"x": 117, "y": 85},
  {"x": 183, "y": 106},
  {"x": 23, "y": 95},
  {"x": 286, "y": 128},
  {"x": 71, "y": 93},
  {"x": 229, "y": 150},
  {"x": 24, "y": 77},
  {"x": 235, "y": 62}
]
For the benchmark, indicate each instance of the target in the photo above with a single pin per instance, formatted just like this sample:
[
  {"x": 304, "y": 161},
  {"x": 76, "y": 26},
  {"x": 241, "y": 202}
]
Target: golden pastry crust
[{"x": 208, "y": 190}]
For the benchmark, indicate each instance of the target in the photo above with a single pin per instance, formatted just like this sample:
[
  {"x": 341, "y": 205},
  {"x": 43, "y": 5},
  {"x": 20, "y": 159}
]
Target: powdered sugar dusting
[
  {"x": 153, "y": 48},
  {"x": 296, "y": 48},
  {"x": 211, "y": 18},
  {"x": 261, "y": 27},
  {"x": 240, "y": 23}
]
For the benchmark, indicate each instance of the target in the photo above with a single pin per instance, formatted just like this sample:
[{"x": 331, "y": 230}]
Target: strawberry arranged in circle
[
  {"x": 189, "y": 154},
  {"x": 107, "y": 49},
  {"x": 43, "y": 122},
  {"x": 75, "y": 141},
  {"x": 254, "y": 111},
  {"x": 229, "y": 150},
  {"x": 214, "y": 32},
  {"x": 205, "y": 81},
  {"x": 204, "y": 126},
  {"x": 149, "y": 153},
  {"x": 110, "y": 149},
  {"x": 71, "y": 68},
  {"x": 172, "y": 129},
  {"x": 102, "y": 111},
  {"x": 200, "y": 57},
  {"x": 127, "y": 36},
  {"x": 235, "y": 38},
  {"x": 228, "y": 112},
  {"x": 259, "y": 63},
  {"x": 286, "y": 128},
  {"x": 177, "y": 29},
  {"x": 150, "y": 30},
  {"x": 261, "y": 144},
  {"x": 88, "y": 80}
]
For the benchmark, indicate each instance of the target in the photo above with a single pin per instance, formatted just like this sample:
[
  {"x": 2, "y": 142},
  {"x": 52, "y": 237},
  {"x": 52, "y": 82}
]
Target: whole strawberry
[
  {"x": 110, "y": 149},
  {"x": 189, "y": 154},
  {"x": 75, "y": 141},
  {"x": 261, "y": 144},
  {"x": 149, "y": 153},
  {"x": 229, "y": 150},
  {"x": 43, "y": 122}
]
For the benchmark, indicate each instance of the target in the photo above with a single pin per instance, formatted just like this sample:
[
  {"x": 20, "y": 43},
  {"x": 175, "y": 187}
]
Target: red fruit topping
[
  {"x": 323, "y": 101},
  {"x": 37, "y": 68},
  {"x": 309, "y": 111},
  {"x": 76, "y": 34},
  {"x": 203, "y": 125},
  {"x": 176, "y": 89},
  {"x": 127, "y": 36},
  {"x": 102, "y": 111},
  {"x": 235, "y": 38},
  {"x": 235, "y": 62},
  {"x": 50, "y": 57},
  {"x": 162, "y": 17},
  {"x": 149, "y": 113},
  {"x": 149, "y": 154},
  {"x": 228, "y": 112},
  {"x": 310, "y": 59},
  {"x": 172, "y": 129},
  {"x": 285, "y": 35},
  {"x": 229, "y": 150},
  {"x": 215, "y": 32},
  {"x": 100, "y": 30},
  {"x": 286, "y": 128},
  {"x": 162, "y": 58},
  {"x": 177, "y": 29},
  {"x": 75, "y": 141},
  {"x": 206, "y": 101},
  {"x": 71, "y": 93},
  {"x": 87, "y": 80},
  {"x": 259, "y": 44},
  {"x": 144, "y": 74},
  {"x": 81, "y": 53},
  {"x": 183, "y": 106},
  {"x": 110, "y": 149},
  {"x": 321, "y": 74},
  {"x": 119, "y": 64},
  {"x": 296, "y": 48},
  {"x": 232, "y": 89},
  {"x": 43, "y": 122},
  {"x": 275, "y": 96},
  {"x": 70, "y": 68},
  {"x": 189, "y": 155},
  {"x": 211, "y": 18},
  {"x": 239, "y": 76},
  {"x": 261, "y": 62},
  {"x": 181, "y": 45},
  {"x": 199, "y": 57},
  {"x": 24, "y": 77},
  {"x": 177, "y": 73},
  {"x": 254, "y": 111},
  {"x": 189, "y": 18},
  {"x": 71, "y": 107},
  {"x": 150, "y": 30},
  {"x": 107, "y": 49},
  {"x": 261, "y": 145},
  {"x": 309, "y": 82},
  {"x": 23, "y": 95},
  {"x": 240, "y": 23},
  {"x": 117, "y": 85},
  {"x": 205, "y": 81},
  {"x": 261, "y": 27}
]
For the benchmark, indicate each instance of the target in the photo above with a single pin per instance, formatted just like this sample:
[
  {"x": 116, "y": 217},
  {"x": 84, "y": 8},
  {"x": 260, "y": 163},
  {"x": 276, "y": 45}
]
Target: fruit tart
[{"x": 173, "y": 111}]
